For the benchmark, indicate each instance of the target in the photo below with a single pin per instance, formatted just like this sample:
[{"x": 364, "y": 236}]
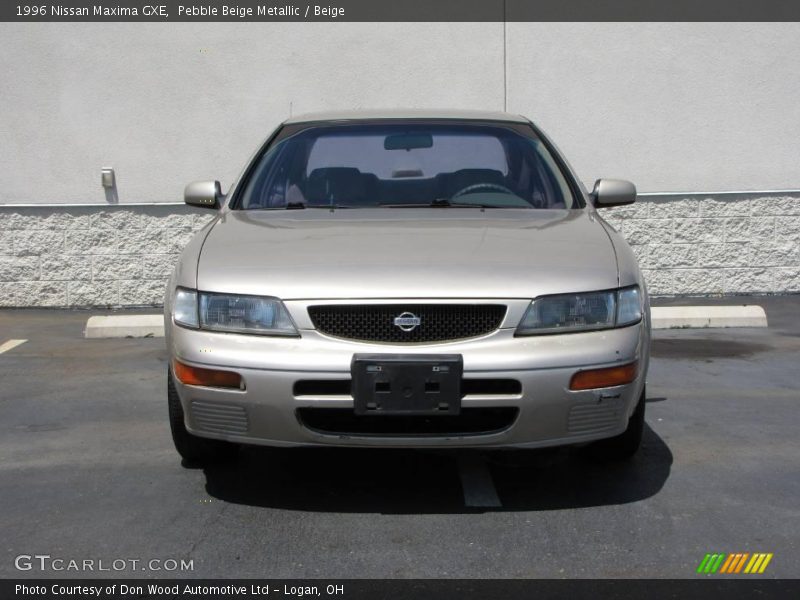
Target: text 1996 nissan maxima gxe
[{"x": 407, "y": 280}]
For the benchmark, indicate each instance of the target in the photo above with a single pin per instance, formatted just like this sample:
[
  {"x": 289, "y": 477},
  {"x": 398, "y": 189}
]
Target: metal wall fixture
[{"x": 108, "y": 179}]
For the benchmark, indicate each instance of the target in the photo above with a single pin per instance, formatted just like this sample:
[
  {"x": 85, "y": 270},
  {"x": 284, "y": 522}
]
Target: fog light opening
[
  {"x": 189, "y": 375},
  {"x": 603, "y": 378}
]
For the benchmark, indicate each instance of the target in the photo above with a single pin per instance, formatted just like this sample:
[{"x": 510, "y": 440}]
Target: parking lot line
[
  {"x": 10, "y": 345},
  {"x": 476, "y": 482}
]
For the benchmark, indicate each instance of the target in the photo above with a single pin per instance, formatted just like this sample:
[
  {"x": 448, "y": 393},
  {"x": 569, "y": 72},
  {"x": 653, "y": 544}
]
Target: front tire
[
  {"x": 193, "y": 449},
  {"x": 626, "y": 444}
]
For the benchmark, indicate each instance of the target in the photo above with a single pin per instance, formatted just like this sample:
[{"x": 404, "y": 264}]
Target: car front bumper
[{"x": 269, "y": 411}]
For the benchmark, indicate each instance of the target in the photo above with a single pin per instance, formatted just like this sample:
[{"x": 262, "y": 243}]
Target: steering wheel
[{"x": 494, "y": 187}]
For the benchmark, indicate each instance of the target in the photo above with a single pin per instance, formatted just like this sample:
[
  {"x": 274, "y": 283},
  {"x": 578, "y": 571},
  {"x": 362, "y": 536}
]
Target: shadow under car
[{"x": 400, "y": 481}]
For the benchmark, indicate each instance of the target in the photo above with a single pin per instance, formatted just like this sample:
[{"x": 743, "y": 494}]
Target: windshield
[{"x": 407, "y": 165}]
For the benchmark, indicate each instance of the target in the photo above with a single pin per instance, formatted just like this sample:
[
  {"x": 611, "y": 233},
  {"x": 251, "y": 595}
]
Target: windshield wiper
[
  {"x": 301, "y": 205},
  {"x": 439, "y": 202},
  {"x": 446, "y": 203}
]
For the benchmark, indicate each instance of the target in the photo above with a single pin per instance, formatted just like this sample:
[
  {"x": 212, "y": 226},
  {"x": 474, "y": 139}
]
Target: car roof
[{"x": 367, "y": 115}]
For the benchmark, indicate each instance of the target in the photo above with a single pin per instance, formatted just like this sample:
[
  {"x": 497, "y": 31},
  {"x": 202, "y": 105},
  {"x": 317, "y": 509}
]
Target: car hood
[{"x": 406, "y": 253}]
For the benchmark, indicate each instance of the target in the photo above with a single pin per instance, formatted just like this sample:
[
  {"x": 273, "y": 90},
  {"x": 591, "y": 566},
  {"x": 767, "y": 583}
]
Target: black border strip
[
  {"x": 706, "y": 588},
  {"x": 402, "y": 10}
]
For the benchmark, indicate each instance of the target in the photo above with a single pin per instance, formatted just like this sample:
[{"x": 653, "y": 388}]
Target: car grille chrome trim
[
  {"x": 216, "y": 417},
  {"x": 377, "y": 322}
]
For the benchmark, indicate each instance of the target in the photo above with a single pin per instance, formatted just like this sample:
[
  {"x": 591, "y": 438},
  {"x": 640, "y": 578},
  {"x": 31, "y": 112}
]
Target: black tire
[
  {"x": 626, "y": 444},
  {"x": 193, "y": 449}
]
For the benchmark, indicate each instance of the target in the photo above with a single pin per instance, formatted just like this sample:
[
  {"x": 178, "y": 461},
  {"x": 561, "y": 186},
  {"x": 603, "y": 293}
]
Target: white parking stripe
[
  {"x": 476, "y": 481},
  {"x": 10, "y": 345}
]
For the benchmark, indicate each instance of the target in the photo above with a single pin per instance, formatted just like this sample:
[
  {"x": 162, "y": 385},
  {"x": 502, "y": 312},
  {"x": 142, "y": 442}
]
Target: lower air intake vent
[
  {"x": 592, "y": 418},
  {"x": 216, "y": 417},
  {"x": 471, "y": 421}
]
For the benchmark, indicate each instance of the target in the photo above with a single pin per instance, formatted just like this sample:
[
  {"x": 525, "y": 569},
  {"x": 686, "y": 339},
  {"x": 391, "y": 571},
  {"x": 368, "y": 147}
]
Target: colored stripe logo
[{"x": 739, "y": 562}]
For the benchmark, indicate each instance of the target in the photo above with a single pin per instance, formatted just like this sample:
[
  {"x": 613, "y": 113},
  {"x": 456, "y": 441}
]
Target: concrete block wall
[
  {"x": 740, "y": 243},
  {"x": 91, "y": 255},
  {"x": 122, "y": 255}
]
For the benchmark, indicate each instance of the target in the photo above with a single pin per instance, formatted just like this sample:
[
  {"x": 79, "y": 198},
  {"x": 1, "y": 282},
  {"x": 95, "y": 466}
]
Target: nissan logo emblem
[{"x": 407, "y": 321}]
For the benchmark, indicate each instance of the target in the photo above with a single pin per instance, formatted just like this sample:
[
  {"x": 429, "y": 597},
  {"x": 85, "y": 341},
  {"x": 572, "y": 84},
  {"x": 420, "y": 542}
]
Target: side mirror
[
  {"x": 205, "y": 194},
  {"x": 613, "y": 192}
]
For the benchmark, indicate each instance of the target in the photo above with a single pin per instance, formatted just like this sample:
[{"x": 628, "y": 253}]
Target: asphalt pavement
[{"x": 88, "y": 472}]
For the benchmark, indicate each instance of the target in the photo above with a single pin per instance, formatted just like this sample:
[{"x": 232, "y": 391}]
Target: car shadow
[{"x": 394, "y": 481}]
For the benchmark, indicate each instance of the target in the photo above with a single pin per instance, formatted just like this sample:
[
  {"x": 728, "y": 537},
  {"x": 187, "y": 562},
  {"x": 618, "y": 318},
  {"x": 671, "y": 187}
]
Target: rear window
[{"x": 407, "y": 165}]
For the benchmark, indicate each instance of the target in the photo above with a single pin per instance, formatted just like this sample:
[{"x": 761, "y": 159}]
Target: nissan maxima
[{"x": 415, "y": 280}]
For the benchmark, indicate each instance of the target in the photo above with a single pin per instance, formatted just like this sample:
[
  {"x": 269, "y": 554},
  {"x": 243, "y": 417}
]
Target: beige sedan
[{"x": 407, "y": 279}]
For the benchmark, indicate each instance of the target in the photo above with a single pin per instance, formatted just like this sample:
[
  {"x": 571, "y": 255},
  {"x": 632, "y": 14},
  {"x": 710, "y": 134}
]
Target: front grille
[
  {"x": 471, "y": 421},
  {"x": 376, "y": 322},
  {"x": 217, "y": 417}
]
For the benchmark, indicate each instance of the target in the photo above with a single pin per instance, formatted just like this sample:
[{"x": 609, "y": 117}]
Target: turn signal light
[
  {"x": 602, "y": 378},
  {"x": 208, "y": 377}
]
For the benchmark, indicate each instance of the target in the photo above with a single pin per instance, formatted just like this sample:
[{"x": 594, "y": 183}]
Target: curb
[
  {"x": 662, "y": 317},
  {"x": 125, "y": 326},
  {"x": 701, "y": 317}
]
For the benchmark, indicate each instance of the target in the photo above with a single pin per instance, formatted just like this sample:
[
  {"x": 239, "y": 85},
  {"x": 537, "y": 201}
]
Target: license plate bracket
[{"x": 406, "y": 384}]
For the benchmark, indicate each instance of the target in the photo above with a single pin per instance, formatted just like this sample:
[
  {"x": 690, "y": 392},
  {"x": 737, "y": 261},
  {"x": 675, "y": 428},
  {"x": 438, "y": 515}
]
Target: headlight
[
  {"x": 629, "y": 306},
  {"x": 582, "y": 312},
  {"x": 236, "y": 314},
  {"x": 184, "y": 308}
]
